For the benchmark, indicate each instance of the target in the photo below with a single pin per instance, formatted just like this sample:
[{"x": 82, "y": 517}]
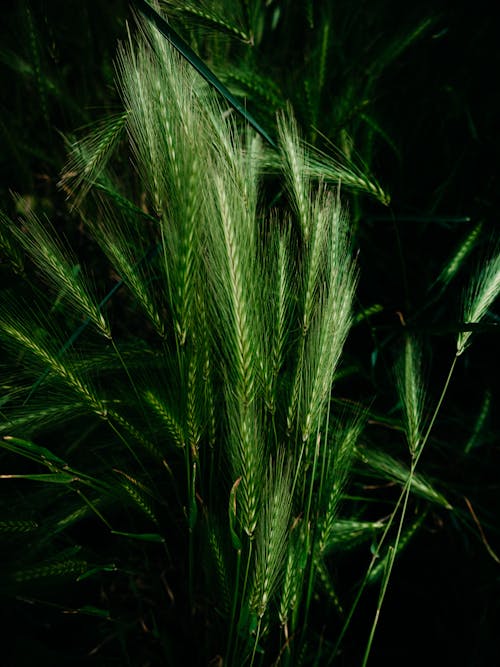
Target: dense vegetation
[{"x": 248, "y": 335}]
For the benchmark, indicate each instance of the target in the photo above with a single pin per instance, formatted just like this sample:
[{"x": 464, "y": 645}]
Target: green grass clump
[{"x": 187, "y": 420}]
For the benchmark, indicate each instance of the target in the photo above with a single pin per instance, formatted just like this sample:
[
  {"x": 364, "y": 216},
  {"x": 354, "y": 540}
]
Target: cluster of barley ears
[{"x": 211, "y": 418}]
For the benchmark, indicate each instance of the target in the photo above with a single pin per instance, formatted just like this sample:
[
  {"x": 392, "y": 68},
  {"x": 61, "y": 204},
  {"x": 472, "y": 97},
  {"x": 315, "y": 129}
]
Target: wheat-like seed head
[
  {"x": 273, "y": 534},
  {"x": 57, "y": 264},
  {"x": 412, "y": 393},
  {"x": 480, "y": 294}
]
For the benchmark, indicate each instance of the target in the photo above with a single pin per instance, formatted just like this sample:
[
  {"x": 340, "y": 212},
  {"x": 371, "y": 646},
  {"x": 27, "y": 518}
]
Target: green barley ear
[
  {"x": 140, "y": 494},
  {"x": 277, "y": 309},
  {"x": 340, "y": 453},
  {"x": 327, "y": 281},
  {"x": 56, "y": 263},
  {"x": 477, "y": 434},
  {"x": 332, "y": 321},
  {"x": 293, "y": 576},
  {"x": 303, "y": 163},
  {"x": 460, "y": 254},
  {"x": 389, "y": 467},
  {"x": 293, "y": 156},
  {"x": 402, "y": 542},
  {"x": 122, "y": 239},
  {"x": 25, "y": 332},
  {"x": 64, "y": 569},
  {"x": 341, "y": 168},
  {"x": 482, "y": 291},
  {"x": 272, "y": 535},
  {"x": 411, "y": 391},
  {"x": 219, "y": 560},
  {"x": 90, "y": 155},
  {"x": 222, "y": 17},
  {"x": 17, "y": 526},
  {"x": 246, "y": 451},
  {"x": 350, "y": 533},
  {"x": 169, "y": 420}
]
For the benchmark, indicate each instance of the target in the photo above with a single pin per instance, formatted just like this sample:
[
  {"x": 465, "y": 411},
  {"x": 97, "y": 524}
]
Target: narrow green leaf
[
  {"x": 187, "y": 52},
  {"x": 89, "y": 610},
  {"x": 52, "y": 478},
  {"x": 144, "y": 537},
  {"x": 97, "y": 570},
  {"x": 29, "y": 449}
]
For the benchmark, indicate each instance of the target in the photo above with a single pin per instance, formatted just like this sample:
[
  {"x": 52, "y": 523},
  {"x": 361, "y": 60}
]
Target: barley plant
[{"x": 172, "y": 426}]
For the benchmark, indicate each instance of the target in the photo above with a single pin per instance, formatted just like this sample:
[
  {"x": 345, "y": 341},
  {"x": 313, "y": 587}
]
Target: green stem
[
  {"x": 387, "y": 574},
  {"x": 234, "y": 604},
  {"x": 438, "y": 407},
  {"x": 190, "y": 530},
  {"x": 406, "y": 491},
  {"x": 256, "y": 642},
  {"x": 232, "y": 660},
  {"x": 403, "y": 496}
]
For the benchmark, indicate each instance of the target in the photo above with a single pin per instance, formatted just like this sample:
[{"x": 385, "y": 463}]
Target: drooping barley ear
[
  {"x": 412, "y": 392},
  {"x": 89, "y": 157},
  {"x": 391, "y": 468},
  {"x": 348, "y": 533},
  {"x": 125, "y": 246},
  {"x": 170, "y": 422},
  {"x": 70, "y": 569},
  {"x": 17, "y": 526},
  {"x": 230, "y": 18},
  {"x": 31, "y": 417},
  {"x": 57, "y": 265},
  {"x": 294, "y": 168},
  {"x": 477, "y": 431},
  {"x": 344, "y": 170},
  {"x": 482, "y": 291},
  {"x": 328, "y": 585},
  {"x": 28, "y": 335},
  {"x": 140, "y": 495},
  {"x": 114, "y": 418}
]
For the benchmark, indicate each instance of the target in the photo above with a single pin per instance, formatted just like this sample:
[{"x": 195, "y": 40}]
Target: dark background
[{"x": 439, "y": 105}]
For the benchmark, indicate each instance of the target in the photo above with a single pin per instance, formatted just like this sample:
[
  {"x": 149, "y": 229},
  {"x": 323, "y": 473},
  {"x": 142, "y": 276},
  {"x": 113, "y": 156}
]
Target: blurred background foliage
[{"x": 408, "y": 91}]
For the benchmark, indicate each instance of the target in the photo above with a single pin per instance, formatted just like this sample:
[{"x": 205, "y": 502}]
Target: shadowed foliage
[{"x": 212, "y": 450}]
